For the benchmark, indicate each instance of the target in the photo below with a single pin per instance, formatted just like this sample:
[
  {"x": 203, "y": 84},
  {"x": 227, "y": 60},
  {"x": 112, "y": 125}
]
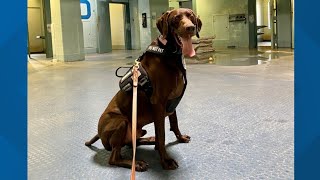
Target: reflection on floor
[
  {"x": 245, "y": 57},
  {"x": 238, "y": 110},
  {"x": 264, "y": 43}
]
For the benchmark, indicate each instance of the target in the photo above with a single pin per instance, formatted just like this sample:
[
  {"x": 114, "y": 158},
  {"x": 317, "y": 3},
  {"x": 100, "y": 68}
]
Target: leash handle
[{"x": 135, "y": 75}]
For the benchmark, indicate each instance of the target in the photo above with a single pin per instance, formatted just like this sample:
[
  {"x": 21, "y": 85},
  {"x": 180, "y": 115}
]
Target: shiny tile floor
[{"x": 238, "y": 110}]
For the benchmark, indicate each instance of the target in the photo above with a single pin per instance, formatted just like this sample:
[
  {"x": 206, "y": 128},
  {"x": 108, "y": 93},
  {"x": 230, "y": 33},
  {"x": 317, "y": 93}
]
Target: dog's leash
[{"x": 135, "y": 76}]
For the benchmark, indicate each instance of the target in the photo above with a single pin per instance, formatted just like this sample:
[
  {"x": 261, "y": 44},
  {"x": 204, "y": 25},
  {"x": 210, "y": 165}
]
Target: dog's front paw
[
  {"x": 169, "y": 164},
  {"x": 141, "y": 166},
  {"x": 183, "y": 138}
]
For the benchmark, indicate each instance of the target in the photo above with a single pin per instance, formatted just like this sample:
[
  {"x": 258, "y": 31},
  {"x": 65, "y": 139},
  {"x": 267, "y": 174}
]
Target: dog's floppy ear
[
  {"x": 199, "y": 25},
  {"x": 162, "y": 24}
]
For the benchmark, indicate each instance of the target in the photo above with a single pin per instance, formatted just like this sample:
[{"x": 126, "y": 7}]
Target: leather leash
[{"x": 135, "y": 76}]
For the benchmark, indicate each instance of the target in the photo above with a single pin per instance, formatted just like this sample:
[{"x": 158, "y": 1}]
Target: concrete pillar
[
  {"x": 104, "y": 31},
  {"x": 284, "y": 23},
  {"x": 47, "y": 31},
  {"x": 67, "y": 30},
  {"x": 252, "y": 24}
]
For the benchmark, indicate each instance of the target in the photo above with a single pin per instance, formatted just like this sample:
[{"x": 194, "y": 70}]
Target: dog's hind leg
[
  {"x": 174, "y": 127},
  {"x": 117, "y": 141},
  {"x": 93, "y": 140}
]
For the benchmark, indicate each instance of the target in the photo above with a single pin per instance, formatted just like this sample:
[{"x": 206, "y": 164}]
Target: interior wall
[
  {"x": 117, "y": 25},
  {"x": 94, "y": 28},
  {"x": 186, "y": 4},
  {"x": 267, "y": 30},
  {"x": 173, "y": 4},
  {"x": 134, "y": 23},
  {"x": 89, "y": 27},
  {"x": 284, "y": 23},
  {"x": 262, "y": 19},
  {"x": 36, "y": 25},
  {"x": 145, "y": 33},
  {"x": 292, "y": 9},
  {"x": 238, "y": 32},
  {"x": 157, "y": 7},
  {"x": 260, "y": 12}
]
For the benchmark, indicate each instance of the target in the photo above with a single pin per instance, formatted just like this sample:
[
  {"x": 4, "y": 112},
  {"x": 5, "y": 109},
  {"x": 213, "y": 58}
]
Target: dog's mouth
[{"x": 185, "y": 43}]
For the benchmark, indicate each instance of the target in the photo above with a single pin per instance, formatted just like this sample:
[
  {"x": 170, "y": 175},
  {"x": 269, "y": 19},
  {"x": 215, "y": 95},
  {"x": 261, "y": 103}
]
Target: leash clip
[{"x": 135, "y": 73}]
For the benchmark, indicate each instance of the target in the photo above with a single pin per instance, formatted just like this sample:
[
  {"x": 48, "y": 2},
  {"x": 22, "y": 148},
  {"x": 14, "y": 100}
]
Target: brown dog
[{"x": 168, "y": 80}]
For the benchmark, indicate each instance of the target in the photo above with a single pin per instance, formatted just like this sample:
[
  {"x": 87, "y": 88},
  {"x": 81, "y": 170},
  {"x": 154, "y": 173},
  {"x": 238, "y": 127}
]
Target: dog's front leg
[
  {"x": 159, "y": 117},
  {"x": 174, "y": 127}
]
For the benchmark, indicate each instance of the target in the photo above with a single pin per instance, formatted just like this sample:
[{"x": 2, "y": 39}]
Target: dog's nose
[{"x": 190, "y": 29}]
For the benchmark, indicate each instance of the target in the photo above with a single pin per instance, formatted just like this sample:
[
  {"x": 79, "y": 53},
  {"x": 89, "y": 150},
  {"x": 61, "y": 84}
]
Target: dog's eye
[
  {"x": 192, "y": 18},
  {"x": 177, "y": 17}
]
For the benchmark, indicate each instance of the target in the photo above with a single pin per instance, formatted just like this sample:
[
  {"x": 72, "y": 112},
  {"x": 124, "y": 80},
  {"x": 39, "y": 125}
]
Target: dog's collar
[{"x": 161, "y": 47}]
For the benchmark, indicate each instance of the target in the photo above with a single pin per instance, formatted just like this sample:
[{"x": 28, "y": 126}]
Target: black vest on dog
[{"x": 126, "y": 82}]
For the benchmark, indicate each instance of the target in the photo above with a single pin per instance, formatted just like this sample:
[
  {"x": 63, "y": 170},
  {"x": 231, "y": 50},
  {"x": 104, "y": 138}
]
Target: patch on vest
[{"x": 155, "y": 49}]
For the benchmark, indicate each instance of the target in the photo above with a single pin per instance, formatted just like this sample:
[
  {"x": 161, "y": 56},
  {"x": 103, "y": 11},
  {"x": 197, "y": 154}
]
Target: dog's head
[{"x": 180, "y": 24}]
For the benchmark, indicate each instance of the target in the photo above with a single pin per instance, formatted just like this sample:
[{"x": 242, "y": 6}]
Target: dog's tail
[{"x": 93, "y": 140}]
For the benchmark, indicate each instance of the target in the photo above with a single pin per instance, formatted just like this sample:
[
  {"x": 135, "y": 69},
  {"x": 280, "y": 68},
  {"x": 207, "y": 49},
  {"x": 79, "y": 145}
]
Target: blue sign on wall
[{"x": 87, "y": 4}]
